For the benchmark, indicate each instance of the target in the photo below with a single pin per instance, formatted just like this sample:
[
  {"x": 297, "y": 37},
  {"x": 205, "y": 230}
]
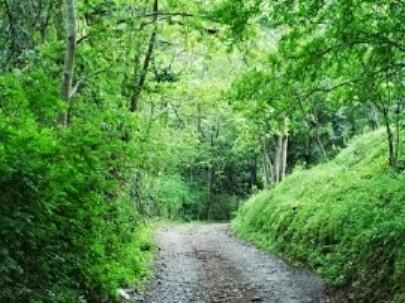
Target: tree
[{"x": 341, "y": 51}]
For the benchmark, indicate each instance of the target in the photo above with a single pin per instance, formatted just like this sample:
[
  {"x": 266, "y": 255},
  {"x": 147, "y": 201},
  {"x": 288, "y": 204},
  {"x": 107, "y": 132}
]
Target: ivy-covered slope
[{"x": 345, "y": 219}]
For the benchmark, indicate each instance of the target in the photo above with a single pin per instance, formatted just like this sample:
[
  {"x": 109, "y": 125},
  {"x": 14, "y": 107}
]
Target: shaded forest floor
[{"x": 205, "y": 263}]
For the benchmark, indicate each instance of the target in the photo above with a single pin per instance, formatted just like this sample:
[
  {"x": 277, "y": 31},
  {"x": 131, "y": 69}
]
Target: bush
[{"x": 69, "y": 230}]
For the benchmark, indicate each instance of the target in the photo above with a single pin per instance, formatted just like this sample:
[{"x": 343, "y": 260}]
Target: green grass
[{"x": 344, "y": 219}]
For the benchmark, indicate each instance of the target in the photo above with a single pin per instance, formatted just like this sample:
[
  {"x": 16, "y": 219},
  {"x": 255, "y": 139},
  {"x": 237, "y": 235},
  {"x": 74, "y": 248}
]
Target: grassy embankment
[{"x": 344, "y": 219}]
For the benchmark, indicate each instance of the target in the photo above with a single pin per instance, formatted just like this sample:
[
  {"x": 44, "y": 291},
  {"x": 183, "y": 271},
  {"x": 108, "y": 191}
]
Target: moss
[{"x": 344, "y": 219}]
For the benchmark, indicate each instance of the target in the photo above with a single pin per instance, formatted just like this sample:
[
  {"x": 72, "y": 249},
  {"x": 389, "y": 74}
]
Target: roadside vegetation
[
  {"x": 115, "y": 112},
  {"x": 344, "y": 219}
]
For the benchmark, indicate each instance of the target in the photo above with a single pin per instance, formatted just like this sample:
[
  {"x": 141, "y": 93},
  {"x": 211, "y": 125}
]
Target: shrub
[{"x": 69, "y": 229}]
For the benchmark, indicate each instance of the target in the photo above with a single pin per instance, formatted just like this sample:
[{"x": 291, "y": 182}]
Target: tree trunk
[
  {"x": 253, "y": 172},
  {"x": 68, "y": 70},
  {"x": 284, "y": 151},
  {"x": 390, "y": 138},
  {"x": 398, "y": 130},
  {"x": 320, "y": 144},
  {"x": 278, "y": 159},
  {"x": 266, "y": 179},
  {"x": 199, "y": 124},
  {"x": 284, "y": 156},
  {"x": 374, "y": 120},
  {"x": 210, "y": 177},
  {"x": 142, "y": 78},
  {"x": 267, "y": 165},
  {"x": 296, "y": 4}
]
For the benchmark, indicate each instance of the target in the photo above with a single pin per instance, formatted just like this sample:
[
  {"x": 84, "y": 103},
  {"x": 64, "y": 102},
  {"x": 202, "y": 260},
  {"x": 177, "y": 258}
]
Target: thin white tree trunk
[
  {"x": 68, "y": 70},
  {"x": 267, "y": 165},
  {"x": 284, "y": 156},
  {"x": 278, "y": 156},
  {"x": 284, "y": 150}
]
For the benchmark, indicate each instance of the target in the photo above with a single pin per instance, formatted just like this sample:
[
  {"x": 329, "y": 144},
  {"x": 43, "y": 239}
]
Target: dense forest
[{"x": 115, "y": 113}]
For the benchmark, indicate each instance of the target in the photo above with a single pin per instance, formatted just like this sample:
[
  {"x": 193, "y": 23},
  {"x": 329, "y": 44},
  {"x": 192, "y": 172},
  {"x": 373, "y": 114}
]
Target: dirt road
[{"x": 206, "y": 264}]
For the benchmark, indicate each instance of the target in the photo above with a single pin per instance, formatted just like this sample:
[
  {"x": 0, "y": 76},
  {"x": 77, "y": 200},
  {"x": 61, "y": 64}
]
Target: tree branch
[
  {"x": 158, "y": 14},
  {"x": 148, "y": 56}
]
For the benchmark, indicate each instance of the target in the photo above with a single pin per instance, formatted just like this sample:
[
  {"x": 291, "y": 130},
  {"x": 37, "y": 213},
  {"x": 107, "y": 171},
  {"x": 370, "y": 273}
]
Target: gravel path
[{"x": 206, "y": 264}]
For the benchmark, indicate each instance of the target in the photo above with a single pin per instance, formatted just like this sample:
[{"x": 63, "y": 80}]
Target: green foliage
[
  {"x": 205, "y": 134},
  {"x": 173, "y": 198},
  {"x": 344, "y": 219},
  {"x": 68, "y": 226},
  {"x": 236, "y": 14},
  {"x": 74, "y": 199},
  {"x": 330, "y": 57}
]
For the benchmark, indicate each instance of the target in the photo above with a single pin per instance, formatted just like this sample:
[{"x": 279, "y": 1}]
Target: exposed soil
[{"x": 206, "y": 264}]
